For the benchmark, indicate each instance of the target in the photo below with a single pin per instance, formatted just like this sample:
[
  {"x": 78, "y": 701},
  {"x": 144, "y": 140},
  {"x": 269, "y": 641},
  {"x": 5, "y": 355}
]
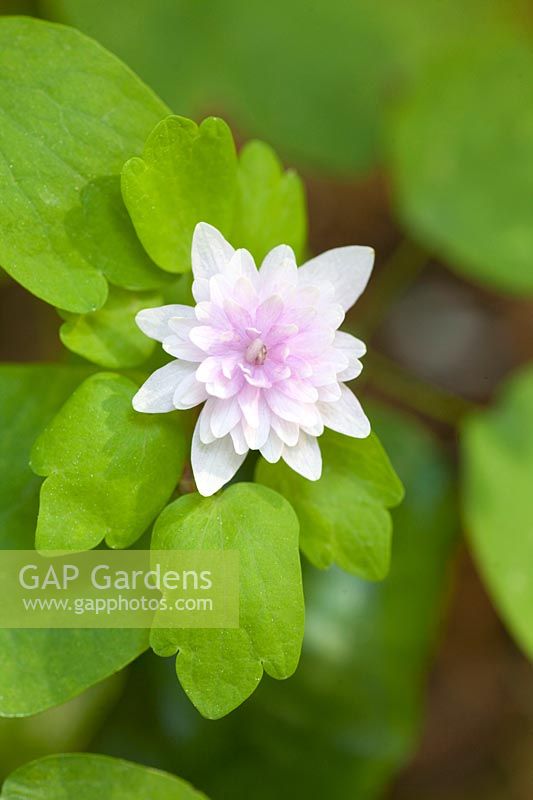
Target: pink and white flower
[{"x": 262, "y": 350}]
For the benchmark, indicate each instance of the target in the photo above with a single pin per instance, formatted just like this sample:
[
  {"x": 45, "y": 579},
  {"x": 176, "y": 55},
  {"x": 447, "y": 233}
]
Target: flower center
[{"x": 256, "y": 352}]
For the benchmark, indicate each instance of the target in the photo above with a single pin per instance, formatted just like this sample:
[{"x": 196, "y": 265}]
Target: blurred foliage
[
  {"x": 498, "y": 501},
  {"x": 349, "y": 716},
  {"x": 313, "y": 78},
  {"x": 462, "y": 150}
]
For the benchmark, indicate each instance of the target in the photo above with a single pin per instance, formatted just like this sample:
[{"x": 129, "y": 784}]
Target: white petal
[
  {"x": 204, "y": 422},
  {"x": 347, "y": 268},
  {"x": 224, "y": 415},
  {"x": 241, "y": 265},
  {"x": 345, "y": 415},
  {"x": 155, "y": 395},
  {"x": 189, "y": 392},
  {"x": 287, "y": 431},
  {"x": 305, "y": 457},
  {"x": 179, "y": 348},
  {"x": 278, "y": 271},
  {"x": 213, "y": 464},
  {"x": 154, "y": 321},
  {"x": 353, "y": 349},
  {"x": 350, "y": 344},
  {"x": 239, "y": 442},
  {"x": 271, "y": 450},
  {"x": 210, "y": 251},
  {"x": 329, "y": 393}
]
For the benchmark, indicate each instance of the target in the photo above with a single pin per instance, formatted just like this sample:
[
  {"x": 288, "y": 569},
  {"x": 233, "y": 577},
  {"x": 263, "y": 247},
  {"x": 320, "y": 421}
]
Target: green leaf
[
  {"x": 89, "y": 777},
  {"x": 463, "y": 173},
  {"x": 44, "y": 668},
  {"x": 187, "y": 174},
  {"x": 109, "y": 337},
  {"x": 497, "y": 448},
  {"x": 270, "y": 207},
  {"x": 74, "y": 113},
  {"x": 343, "y": 516},
  {"x": 41, "y": 668},
  {"x": 110, "y": 469},
  {"x": 220, "y": 668},
  {"x": 101, "y": 228}
]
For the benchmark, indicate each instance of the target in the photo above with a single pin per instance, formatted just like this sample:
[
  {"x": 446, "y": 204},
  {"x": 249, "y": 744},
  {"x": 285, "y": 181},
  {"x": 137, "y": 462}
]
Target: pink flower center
[{"x": 256, "y": 352}]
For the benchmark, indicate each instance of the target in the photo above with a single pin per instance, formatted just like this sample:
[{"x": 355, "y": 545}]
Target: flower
[{"x": 262, "y": 350}]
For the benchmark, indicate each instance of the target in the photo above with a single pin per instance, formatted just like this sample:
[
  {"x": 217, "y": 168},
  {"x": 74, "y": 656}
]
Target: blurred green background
[{"x": 411, "y": 122}]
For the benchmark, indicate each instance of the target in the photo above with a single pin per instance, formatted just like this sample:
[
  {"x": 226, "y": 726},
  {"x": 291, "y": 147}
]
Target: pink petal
[
  {"x": 213, "y": 340},
  {"x": 268, "y": 313},
  {"x": 302, "y": 391},
  {"x": 225, "y": 387},
  {"x": 291, "y": 410},
  {"x": 249, "y": 401}
]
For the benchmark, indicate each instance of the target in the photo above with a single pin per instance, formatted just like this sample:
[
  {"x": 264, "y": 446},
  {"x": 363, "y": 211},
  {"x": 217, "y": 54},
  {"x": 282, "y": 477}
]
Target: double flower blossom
[{"x": 262, "y": 351}]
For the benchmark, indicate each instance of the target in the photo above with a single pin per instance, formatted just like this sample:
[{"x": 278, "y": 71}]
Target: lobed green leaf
[
  {"x": 220, "y": 668},
  {"x": 270, "y": 204},
  {"x": 187, "y": 174},
  {"x": 343, "y": 516},
  {"x": 109, "y": 470},
  {"x": 109, "y": 337},
  {"x": 91, "y": 777},
  {"x": 70, "y": 115}
]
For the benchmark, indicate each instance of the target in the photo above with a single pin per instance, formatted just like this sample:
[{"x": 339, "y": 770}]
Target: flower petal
[
  {"x": 154, "y": 322},
  {"x": 271, "y": 450},
  {"x": 213, "y": 464},
  {"x": 278, "y": 271},
  {"x": 239, "y": 442},
  {"x": 305, "y": 457},
  {"x": 189, "y": 392},
  {"x": 210, "y": 252},
  {"x": 345, "y": 415},
  {"x": 347, "y": 268},
  {"x": 224, "y": 415},
  {"x": 288, "y": 432},
  {"x": 155, "y": 395},
  {"x": 353, "y": 349}
]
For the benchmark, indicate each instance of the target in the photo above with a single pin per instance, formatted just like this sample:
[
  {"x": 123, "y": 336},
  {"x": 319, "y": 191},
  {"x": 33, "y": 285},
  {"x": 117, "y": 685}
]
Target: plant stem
[
  {"x": 391, "y": 281},
  {"x": 431, "y": 402}
]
